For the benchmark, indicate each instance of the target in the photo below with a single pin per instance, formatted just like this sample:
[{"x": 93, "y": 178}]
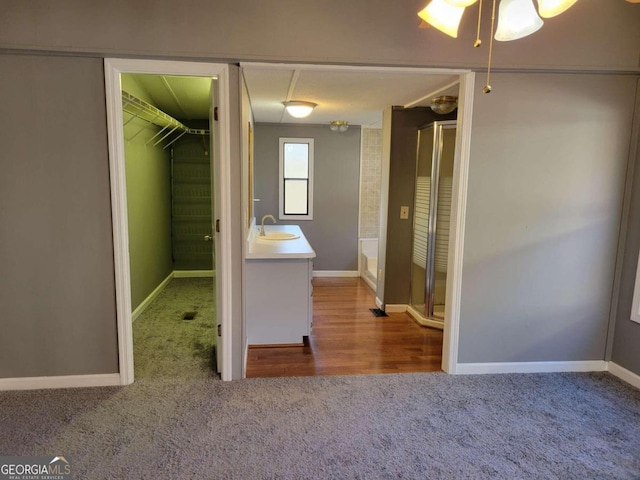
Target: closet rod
[{"x": 138, "y": 108}]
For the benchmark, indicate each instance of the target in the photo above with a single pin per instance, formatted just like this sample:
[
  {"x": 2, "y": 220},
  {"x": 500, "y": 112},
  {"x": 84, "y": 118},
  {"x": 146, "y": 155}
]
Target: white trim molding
[
  {"x": 151, "y": 297},
  {"x": 453, "y": 300},
  {"x": 336, "y": 273},
  {"x": 379, "y": 303},
  {"x": 194, "y": 273},
  {"x": 531, "y": 367},
  {"x": 624, "y": 374},
  {"x": 113, "y": 68},
  {"x": 422, "y": 320},
  {"x": 395, "y": 308},
  {"x": 68, "y": 381},
  {"x": 370, "y": 283}
]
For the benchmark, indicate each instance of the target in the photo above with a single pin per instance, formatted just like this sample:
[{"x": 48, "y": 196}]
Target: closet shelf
[{"x": 170, "y": 128}]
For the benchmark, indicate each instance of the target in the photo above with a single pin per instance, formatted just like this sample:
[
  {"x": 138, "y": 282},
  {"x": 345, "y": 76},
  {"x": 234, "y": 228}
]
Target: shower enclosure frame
[{"x": 427, "y": 316}]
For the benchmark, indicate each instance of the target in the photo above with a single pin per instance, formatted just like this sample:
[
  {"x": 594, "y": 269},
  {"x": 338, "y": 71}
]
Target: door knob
[{"x": 208, "y": 238}]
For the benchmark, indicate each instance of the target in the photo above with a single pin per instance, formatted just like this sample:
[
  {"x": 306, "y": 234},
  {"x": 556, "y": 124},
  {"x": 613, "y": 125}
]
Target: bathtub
[{"x": 369, "y": 261}]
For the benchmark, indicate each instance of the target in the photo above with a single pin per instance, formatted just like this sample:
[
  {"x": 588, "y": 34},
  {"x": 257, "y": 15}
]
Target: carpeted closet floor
[{"x": 165, "y": 344}]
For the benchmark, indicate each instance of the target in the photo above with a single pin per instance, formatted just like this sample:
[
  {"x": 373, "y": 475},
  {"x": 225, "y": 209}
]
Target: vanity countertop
[{"x": 279, "y": 249}]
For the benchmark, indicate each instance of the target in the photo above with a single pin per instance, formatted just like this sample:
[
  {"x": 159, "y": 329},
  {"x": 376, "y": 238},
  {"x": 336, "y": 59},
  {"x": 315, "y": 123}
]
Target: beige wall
[{"x": 370, "y": 175}]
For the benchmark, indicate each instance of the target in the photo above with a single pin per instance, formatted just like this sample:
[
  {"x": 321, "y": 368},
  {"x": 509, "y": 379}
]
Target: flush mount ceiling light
[
  {"x": 299, "y": 109},
  {"x": 339, "y": 126},
  {"x": 443, "y": 105},
  {"x": 516, "y": 19}
]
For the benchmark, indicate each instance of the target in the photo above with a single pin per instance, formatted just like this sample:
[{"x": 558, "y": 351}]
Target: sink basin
[{"x": 279, "y": 236}]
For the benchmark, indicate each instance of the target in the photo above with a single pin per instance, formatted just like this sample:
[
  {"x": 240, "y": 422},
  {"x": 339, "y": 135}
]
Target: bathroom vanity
[{"x": 279, "y": 303}]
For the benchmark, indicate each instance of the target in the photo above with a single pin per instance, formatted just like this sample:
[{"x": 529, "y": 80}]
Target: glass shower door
[
  {"x": 443, "y": 218},
  {"x": 426, "y": 138},
  {"x": 431, "y": 221}
]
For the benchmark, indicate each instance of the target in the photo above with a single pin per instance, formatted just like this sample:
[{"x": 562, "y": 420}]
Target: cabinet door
[
  {"x": 277, "y": 301},
  {"x": 310, "y": 315}
]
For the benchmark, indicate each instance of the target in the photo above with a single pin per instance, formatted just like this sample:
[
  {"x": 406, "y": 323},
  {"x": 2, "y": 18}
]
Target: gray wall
[
  {"x": 546, "y": 180},
  {"x": 626, "y": 342},
  {"x": 333, "y": 232},
  {"x": 148, "y": 170},
  {"x": 58, "y": 154},
  {"x": 402, "y": 190},
  {"x": 57, "y": 302},
  {"x": 593, "y": 34}
]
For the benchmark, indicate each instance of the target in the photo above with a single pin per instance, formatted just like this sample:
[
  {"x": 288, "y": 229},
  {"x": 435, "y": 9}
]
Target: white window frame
[{"x": 282, "y": 215}]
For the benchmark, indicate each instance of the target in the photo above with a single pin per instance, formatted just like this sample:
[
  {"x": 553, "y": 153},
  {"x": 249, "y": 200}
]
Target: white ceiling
[
  {"x": 184, "y": 98},
  {"x": 356, "y": 95}
]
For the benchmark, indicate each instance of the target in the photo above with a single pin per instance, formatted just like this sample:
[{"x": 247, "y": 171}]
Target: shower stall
[{"x": 431, "y": 221}]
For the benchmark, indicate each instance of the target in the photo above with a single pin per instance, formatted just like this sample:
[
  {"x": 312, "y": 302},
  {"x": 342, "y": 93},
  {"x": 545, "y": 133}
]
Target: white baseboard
[
  {"x": 69, "y": 381},
  {"x": 194, "y": 273},
  {"x": 531, "y": 367},
  {"x": 624, "y": 374},
  {"x": 393, "y": 308},
  {"x": 424, "y": 321},
  {"x": 150, "y": 298},
  {"x": 379, "y": 303},
  {"x": 369, "y": 282},
  {"x": 336, "y": 273}
]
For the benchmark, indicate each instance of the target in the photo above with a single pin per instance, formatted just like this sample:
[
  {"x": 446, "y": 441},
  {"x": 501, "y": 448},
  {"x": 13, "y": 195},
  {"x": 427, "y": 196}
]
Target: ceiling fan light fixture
[
  {"x": 551, "y": 8},
  {"x": 461, "y": 3},
  {"x": 340, "y": 126},
  {"x": 517, "y": 19},
  {"x": 298, "y": 108},
  {"x": 444, "y": 104},
  {"x": 443, "y": 16}
]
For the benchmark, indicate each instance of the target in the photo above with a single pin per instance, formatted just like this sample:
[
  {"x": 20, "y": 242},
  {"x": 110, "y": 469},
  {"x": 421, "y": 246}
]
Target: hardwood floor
[{"x": 347, "y": 339}]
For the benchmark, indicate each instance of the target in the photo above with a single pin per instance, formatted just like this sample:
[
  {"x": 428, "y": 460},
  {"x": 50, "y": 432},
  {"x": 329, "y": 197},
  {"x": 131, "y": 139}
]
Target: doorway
[
  {"x": 268, "y": 93},
  {"x": 167, "y": 136},
  {"x": 217, "y": 76}
]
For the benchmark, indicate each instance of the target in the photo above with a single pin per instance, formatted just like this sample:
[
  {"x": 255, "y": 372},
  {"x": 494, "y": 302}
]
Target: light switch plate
[{"x": 404, "y": 213}]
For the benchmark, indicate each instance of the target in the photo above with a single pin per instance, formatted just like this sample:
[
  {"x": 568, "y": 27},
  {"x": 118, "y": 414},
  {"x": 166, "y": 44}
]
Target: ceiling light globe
[
  {"x": 443, "y": 16},
  {"x": 461, "y": 3},
  {"x": 299, "y": 109},
  {"x": 517, "y": 19},
  {"x": 340, "y": 126},
  {"x": 443, "y": 105},
  {"x": 551, "y": 8}
]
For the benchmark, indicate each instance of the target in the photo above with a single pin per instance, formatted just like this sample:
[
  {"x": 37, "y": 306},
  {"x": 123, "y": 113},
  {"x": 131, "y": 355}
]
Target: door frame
[
  {"x": 466, "y": 82},
  {"x": 113, "y": 68}
]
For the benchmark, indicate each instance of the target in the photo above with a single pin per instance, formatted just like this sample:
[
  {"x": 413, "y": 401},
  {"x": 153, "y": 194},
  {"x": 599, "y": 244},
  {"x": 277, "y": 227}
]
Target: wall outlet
[{"x": 404, "y": 213}]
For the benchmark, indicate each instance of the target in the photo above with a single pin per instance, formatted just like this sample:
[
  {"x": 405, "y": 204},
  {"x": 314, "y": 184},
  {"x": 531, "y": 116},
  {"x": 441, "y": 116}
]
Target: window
[{"x": 296, "y": 178}]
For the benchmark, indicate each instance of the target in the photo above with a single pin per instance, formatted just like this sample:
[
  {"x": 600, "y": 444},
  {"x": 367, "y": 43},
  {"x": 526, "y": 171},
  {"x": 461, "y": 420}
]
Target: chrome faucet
[{"x": 262, "y": 223}]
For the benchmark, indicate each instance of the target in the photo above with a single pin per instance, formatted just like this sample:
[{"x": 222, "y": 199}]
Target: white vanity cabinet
[
  {"x": 279, "y": 294},
  {"x": 279, "y": 301}
]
